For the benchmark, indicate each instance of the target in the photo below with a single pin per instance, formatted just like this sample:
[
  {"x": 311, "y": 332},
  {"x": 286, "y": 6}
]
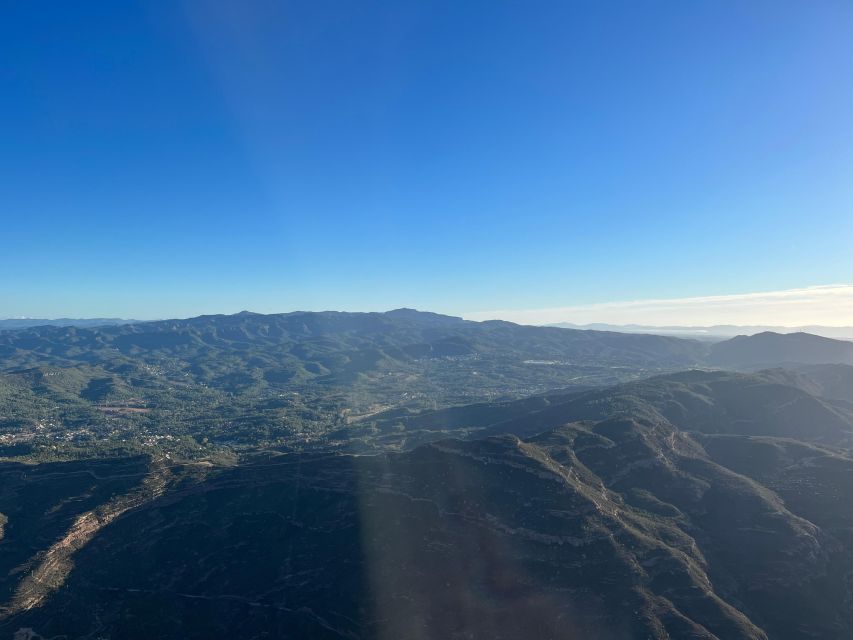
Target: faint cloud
[{"x": 830, "y": 305}]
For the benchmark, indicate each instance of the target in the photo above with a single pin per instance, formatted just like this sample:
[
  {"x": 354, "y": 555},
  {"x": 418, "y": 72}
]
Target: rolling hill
[
  {"x": 315, "y": 379},
  {"x": 289, "y": 378}
]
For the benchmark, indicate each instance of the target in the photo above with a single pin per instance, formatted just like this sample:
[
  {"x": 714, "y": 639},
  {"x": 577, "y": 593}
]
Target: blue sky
[{"x": 165, "y": 159}]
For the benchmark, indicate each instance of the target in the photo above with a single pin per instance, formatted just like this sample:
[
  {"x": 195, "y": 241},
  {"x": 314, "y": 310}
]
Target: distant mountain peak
[
  {"x": 25, "y": 323},
  {"x": 406, "y": 312},
  {"x": 770, "y": 348}
]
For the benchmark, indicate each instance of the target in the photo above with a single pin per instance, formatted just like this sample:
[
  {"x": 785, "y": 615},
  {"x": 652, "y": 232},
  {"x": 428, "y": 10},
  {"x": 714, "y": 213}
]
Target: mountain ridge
[{"x": 714, "y": 332}]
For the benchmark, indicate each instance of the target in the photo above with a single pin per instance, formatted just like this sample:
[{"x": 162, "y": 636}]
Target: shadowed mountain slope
[
  {"x": 695, "y": 505},
  {"x": 776, "y": 402},
  {"x": 775, "y": 349}
]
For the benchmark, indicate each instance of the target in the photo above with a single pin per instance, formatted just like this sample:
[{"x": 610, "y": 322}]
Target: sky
[
  {"x": 569, "y": 161},
  {"x": 830, "y": 304}
]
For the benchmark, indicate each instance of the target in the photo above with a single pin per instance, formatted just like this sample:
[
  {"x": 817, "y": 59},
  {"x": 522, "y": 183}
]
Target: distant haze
[
  {"x": 23, "y": 323},
  {"x": 827, "y": 305},
  {"x": 714, "y": 332}
]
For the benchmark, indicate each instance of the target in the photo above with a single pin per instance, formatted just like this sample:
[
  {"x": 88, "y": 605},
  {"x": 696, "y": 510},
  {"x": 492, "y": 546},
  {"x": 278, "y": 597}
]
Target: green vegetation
[
  {"x": 192, "y": 387},
  {"x": 196, "y": 479}
]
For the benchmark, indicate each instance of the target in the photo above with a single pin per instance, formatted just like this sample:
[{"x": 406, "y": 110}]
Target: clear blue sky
[{"x": 167, "y": 159}]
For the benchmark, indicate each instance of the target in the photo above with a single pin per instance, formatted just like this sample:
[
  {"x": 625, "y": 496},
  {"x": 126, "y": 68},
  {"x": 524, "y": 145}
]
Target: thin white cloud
[{"x": 830, "y": 305}]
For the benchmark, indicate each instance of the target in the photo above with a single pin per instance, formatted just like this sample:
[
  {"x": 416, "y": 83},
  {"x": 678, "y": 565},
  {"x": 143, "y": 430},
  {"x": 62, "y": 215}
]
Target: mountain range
[
  {"x": 339, "y": 343},
  {"x": 713, "y": 332},
  {"x": 407, "y": 474},
  {"x": 300, "y": 379},
  {"x": 23, "y": 323}
]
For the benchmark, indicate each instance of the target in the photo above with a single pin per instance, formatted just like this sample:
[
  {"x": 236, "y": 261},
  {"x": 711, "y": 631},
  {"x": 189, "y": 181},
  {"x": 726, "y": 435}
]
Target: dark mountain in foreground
[
  {"x": 694, "y": 505},
  {"x": 776, "y": 403},
  {"x": 774, "y": 349}
]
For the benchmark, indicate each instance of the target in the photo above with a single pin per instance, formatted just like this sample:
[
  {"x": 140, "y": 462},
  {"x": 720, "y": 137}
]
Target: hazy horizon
[{"x": 827, "y": 306}]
